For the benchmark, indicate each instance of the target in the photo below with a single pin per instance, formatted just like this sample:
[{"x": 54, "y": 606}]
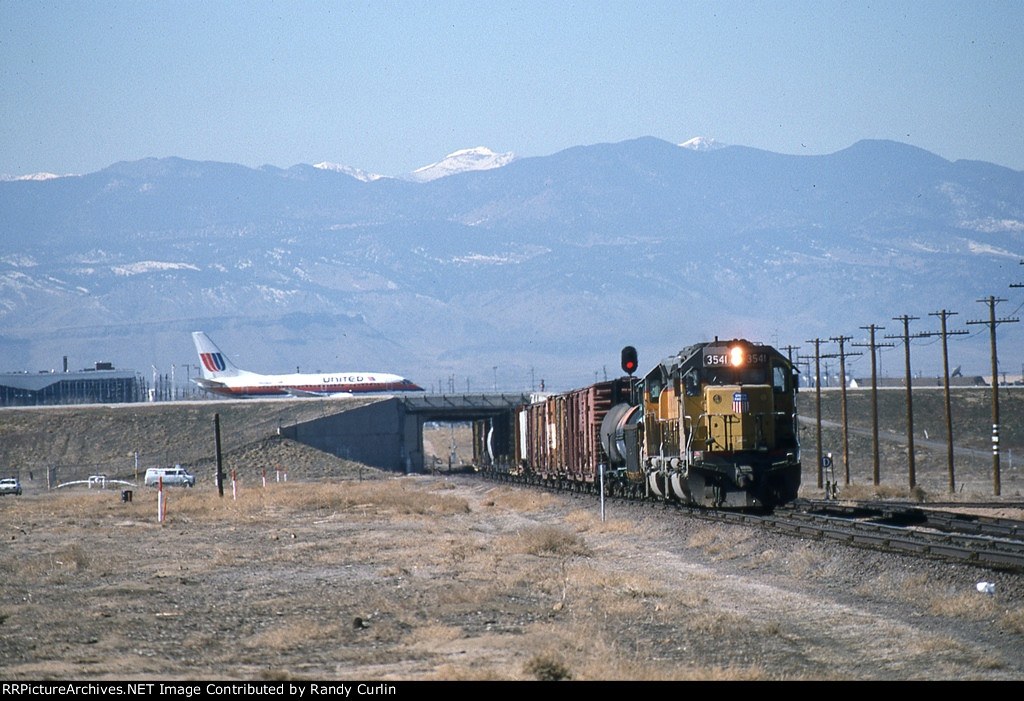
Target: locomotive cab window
[
  {"x": 779, "y": 379},
  {"x": 691, "y": 381},
  {"x": 654, "y": 386}
]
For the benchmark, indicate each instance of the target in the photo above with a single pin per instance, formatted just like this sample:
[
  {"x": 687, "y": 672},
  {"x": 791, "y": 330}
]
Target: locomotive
[{"x": 714, "y": 425}]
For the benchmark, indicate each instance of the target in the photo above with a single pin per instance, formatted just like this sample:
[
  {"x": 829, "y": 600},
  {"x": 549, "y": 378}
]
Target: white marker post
[
  {"x": 234, "y": 486},
  {"x": 160, "y": 500}
]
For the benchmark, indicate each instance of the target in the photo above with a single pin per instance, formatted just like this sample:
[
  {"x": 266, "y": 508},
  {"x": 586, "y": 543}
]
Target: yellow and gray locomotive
[{"x": 713, "y": 425}]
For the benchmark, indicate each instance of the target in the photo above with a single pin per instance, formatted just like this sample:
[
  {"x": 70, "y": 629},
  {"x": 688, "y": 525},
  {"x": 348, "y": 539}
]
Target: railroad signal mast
[{"x": 629, "y": 366}]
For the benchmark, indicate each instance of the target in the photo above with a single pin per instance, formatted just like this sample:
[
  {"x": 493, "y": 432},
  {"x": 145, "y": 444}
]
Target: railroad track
[
  {"x": 987, "y": 542},
  {"x": 933, "y": 517},
  {"x": 923, "y": 533}
]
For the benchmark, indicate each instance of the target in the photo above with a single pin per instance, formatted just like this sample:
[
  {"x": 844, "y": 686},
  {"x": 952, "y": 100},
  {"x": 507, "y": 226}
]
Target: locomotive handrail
[
  {"x": 662, "y": 467},
  {"x": 689, "y": 440}
]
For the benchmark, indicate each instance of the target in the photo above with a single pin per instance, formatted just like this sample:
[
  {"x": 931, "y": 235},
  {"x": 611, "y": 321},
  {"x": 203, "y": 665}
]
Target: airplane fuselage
[
  {"x": 221, "y": 376},
  {"x": 308, "y": 384}
]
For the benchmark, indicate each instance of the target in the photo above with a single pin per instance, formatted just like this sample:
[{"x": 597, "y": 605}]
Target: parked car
[
  {"x": 172, "y": 476},
  {"x": 10, "y": 485}
]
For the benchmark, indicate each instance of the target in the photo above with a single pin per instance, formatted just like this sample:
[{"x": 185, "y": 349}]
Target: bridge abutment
[{"x": 388, "y": 434}]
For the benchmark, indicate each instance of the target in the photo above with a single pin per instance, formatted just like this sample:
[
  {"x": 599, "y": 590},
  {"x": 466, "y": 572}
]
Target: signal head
[{"x": 629, "y": 361}]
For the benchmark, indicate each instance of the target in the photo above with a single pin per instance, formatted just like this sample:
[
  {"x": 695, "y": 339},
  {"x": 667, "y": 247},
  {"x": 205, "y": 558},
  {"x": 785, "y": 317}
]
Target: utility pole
[
  {"x": 789, "y": 352},
  {"x": 992, "y": 323},
  {"x": 805, "y": 362},
  {"x": 911, "y": 467},
  {"x": 817, "y": 404},
  {"x": 841, "y": 340},
  {"x": 220, "y": 464},
  {"x": 943, "y": 315},
  {"x": 871, "y": 329}
]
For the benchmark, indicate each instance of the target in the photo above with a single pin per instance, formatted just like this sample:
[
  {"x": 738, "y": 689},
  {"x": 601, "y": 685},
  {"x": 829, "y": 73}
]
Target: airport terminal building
[{"x": 101, "y": 384}]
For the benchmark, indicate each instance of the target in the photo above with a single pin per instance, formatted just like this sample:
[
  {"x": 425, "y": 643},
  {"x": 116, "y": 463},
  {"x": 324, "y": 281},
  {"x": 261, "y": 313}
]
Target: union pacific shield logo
[
  {"x": 740, "y": 403},
  {"x": 214, "y": 362}
]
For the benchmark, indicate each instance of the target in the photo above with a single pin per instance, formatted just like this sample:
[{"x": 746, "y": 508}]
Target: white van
[{"x": 172, "y": 476}]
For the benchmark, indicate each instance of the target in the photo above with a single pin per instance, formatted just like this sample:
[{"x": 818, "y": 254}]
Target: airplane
[{"x": 221, "y": 376}]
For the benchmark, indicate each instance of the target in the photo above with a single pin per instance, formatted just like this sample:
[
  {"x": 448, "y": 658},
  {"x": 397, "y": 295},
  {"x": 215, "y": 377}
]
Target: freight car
[{"x": 714, "y": 425}]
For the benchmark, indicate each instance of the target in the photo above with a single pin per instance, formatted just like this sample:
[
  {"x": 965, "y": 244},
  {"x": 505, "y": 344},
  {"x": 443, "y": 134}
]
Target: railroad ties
[
  {"x": 995, "y": 543},
  {"x": 905, "y": 529}
]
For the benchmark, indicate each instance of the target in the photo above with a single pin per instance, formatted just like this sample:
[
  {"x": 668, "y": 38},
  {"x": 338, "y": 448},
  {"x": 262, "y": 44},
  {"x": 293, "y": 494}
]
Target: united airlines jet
[{"x": 221, "y": 376}]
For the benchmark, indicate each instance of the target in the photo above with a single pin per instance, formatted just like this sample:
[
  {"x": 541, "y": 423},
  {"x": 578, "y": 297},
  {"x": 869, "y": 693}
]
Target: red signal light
[{"x": 629, "y": 360}]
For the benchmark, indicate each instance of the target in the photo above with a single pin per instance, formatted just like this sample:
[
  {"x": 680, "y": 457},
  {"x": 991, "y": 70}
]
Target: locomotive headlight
[{"x": 736, "y": 356}]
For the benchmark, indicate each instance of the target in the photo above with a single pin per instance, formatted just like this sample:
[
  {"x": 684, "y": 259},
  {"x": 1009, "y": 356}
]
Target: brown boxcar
[{"x": 559, "y": 438}]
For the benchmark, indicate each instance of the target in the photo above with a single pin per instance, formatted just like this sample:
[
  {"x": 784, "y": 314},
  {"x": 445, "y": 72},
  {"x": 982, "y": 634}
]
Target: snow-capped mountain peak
[
  {"x": 356, "y": 173},
  {"x": 31, "y": 176},
  {"x": 702, "y": 143},
  {"x": 479, "y": 158}
]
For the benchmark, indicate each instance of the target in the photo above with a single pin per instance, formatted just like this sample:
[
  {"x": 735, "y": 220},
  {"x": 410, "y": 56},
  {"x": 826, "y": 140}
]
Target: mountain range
[{"x": 488, "y": 270}]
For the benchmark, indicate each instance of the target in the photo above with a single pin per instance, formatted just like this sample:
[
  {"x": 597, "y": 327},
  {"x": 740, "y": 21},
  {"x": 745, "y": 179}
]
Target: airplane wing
[
  {"x": 295, "y": 392},
  {"x": 211, "y": 385}
]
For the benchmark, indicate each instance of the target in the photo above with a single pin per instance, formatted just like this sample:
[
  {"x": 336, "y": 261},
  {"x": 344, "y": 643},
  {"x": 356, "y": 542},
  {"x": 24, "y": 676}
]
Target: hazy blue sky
[{"x": 389, "y": 87}]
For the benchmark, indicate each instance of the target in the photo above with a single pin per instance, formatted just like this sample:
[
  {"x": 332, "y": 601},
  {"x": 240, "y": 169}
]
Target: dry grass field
[
  {"x": 452, "y": 578},
  {"x": 344, "y": 572}
]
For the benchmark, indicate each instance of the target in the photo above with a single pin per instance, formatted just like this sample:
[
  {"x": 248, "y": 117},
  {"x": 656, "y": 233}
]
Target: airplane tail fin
[{"x": 214, "y": 363}]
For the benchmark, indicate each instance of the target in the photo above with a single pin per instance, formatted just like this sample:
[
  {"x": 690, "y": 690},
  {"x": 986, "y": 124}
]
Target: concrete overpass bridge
[{"x": 389, "y": 433}]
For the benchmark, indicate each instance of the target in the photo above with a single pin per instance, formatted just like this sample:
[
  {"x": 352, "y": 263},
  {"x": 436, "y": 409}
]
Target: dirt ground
[
  {"x": 455, "y": 578},
  {"x": 344, "y": 572}
]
